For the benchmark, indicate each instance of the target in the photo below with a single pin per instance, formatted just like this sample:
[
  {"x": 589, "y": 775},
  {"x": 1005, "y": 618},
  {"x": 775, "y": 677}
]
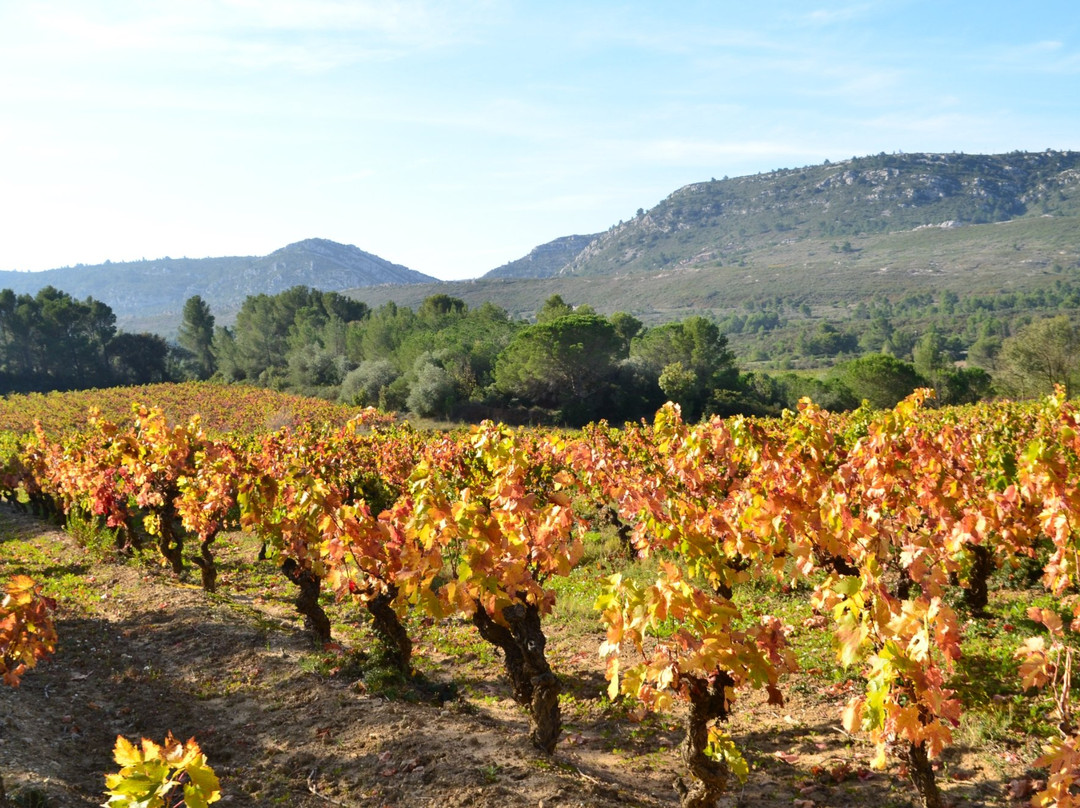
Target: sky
[{"x": 453, "y": 136}]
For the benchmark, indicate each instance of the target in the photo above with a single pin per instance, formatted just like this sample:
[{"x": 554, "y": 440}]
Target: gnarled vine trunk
[
  {"x": 127, "y": 540},
  {"x": 622, "y": 530},
  {"x": 171, "y": 540},
  {"x": 977, "y": 595},
  {"x": 535, "y": 686},
  {"x": 921, "y": 772},
  {"x": 708, "y": 702},
  {"x": 388, "y": 626},
  {"x": 205, "y": 562},
  {"x": 501, "y": 637},
  {"x": 307, "y": 602}
]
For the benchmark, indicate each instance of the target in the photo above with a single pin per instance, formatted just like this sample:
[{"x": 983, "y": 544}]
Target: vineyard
[
  {"x": 222, "y": 409},
  {"x": 820, "y": 609}
]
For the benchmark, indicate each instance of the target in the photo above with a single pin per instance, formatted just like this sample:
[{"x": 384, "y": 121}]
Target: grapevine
[
  {"x": 896, "y": 518},
  {"x": 167, "y": 775}
]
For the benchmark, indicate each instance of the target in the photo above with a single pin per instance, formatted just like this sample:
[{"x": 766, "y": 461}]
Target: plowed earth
[{"x": 142, "y": 654}]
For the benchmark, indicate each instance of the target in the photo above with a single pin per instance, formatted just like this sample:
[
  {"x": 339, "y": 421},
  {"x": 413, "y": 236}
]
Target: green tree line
[
  {"x": 50, "y": 341},
  {"x": 448, "y": 361},
  {"x": 573, "y": 365},
  {"x": 445, "y": 360}
]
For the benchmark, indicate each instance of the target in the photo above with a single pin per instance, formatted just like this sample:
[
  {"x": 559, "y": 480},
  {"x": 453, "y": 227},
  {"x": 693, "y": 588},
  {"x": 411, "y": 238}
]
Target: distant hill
[
  {"x": 830, "y": 275},
  {"x": 723, "y": 221},
  {"x": 151, "y": 294},
  {"x": 545, "y": 260},
  {"x": 824, "y": 237},
  {"x": 827, "y": 237}
]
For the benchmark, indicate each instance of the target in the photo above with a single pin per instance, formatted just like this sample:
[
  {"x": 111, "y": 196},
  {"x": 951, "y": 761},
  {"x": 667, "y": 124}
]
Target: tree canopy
[
  {"x": 880, "y": 379},
  {"x": 1045, "y": 353},
  {"x": 568, "y": 363},
  {"x": 51, "y": 341},
  {"x": 689, "y": 361},
  {"x": 196, "y": 336}
]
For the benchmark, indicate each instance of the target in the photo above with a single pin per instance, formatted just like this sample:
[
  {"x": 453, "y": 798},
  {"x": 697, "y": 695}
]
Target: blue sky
[{"x": 454, "y": 136}]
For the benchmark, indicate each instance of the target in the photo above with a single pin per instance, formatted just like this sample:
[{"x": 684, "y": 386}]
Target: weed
[
  {"x": 93, "y": 536},
  {"x": 552, "y": 765},
  {"x": 30, "y": 798},
  {"x": 334, "y": 662}
]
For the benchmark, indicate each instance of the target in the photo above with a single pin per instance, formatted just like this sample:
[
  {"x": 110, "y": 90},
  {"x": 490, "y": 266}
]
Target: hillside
[
  {"x": 155, "y": 290},
  {"x": 545, "y": 260},
  {"x": 723, "y": 221},
  {"x": 1024, "y": 254},
  {"x": 826, "y": 237}
]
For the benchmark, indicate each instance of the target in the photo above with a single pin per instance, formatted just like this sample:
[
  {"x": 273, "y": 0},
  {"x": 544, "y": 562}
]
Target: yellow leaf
[
  {"x": 852, "y": 715},
  {"x": 613, "y": 675},
  {"x": 125, "y": 752},
  {"x": 879, "y": 761},
  {"x": 906, "y": 723}
]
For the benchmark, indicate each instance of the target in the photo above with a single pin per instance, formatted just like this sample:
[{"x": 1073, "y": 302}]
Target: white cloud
[
  {"x": 307, "y": 35},
  {"x": 400, "y": 20},
  {"x": 1046, "y": 56},
  {"x": 841, "y": 14},
  {"x": 957, "y": 127}
]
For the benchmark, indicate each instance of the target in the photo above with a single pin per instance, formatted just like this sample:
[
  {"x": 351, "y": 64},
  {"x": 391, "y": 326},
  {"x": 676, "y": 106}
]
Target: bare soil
[{"x": 142, "y": 654}]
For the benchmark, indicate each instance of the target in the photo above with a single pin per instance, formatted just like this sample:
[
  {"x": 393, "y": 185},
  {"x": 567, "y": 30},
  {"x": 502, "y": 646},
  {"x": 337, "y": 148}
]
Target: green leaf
[{"x": 722, "y": 748}]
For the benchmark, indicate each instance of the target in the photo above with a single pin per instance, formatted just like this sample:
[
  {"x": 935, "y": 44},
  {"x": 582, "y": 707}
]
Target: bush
[
  {"x": 433, "y": 393},
  {"x": 365, "y": 385}
]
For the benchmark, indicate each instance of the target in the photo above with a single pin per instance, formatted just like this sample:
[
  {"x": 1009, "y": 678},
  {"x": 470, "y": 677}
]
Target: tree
[
  {"x": 965, "y": 386},
  {"x": 693, "y": 355},
  {"x": 227, "y": 356},
  {"x": 196, "y": 336},
  {"x": 677, "y": 382},
  {"x": 53, "y": 342},
  {"x": 436, "y": 309},
  {"x": 314, "y": 371},
  {"x": 984, "y": 351},
  {"x": 466, "y": 347},
  {"x": 260, "y": 336},
  {"x": 138, "y": 359},
  {"x": 952, "y": 385},
  {"x": 381, "y": 334},
  {"x": 928, "y": 356},
  {"x": 366, "y": 384},
  {"x": 433, "y": 393},
  {"x": 877, "y": 334},
  {"x": 568, "y": 363},
  {"x": 269, "y": 327},
  {"x": 880, "y": 379},
  {"x": 1043, "y": 354},
  {"x": 826, "y": 340},
  {"x": 627, "y": 327},
  {"x": 554, "y": 307}
]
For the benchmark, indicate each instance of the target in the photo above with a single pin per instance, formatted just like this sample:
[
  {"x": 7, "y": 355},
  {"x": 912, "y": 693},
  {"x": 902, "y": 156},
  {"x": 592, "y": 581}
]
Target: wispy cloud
[
  {"x": 1045, "y": 56},
  {"x": 840, "y": 14},
  {"x": 306, "y": 35},
  {"x": 955, "y": 126}
]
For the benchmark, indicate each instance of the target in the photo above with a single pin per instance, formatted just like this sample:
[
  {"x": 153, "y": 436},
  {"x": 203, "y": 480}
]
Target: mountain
[
  {"x": 151, "y": 294},
  {"x": 826, "y": 237},
  {"x": 545, "y": 260},
  {"x": 823, "y": 237},
  {"x": 723, "y": 221}
]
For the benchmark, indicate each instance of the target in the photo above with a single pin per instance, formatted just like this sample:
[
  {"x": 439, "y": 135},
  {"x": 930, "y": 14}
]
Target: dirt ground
[{"x": 141, "y": 654}]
